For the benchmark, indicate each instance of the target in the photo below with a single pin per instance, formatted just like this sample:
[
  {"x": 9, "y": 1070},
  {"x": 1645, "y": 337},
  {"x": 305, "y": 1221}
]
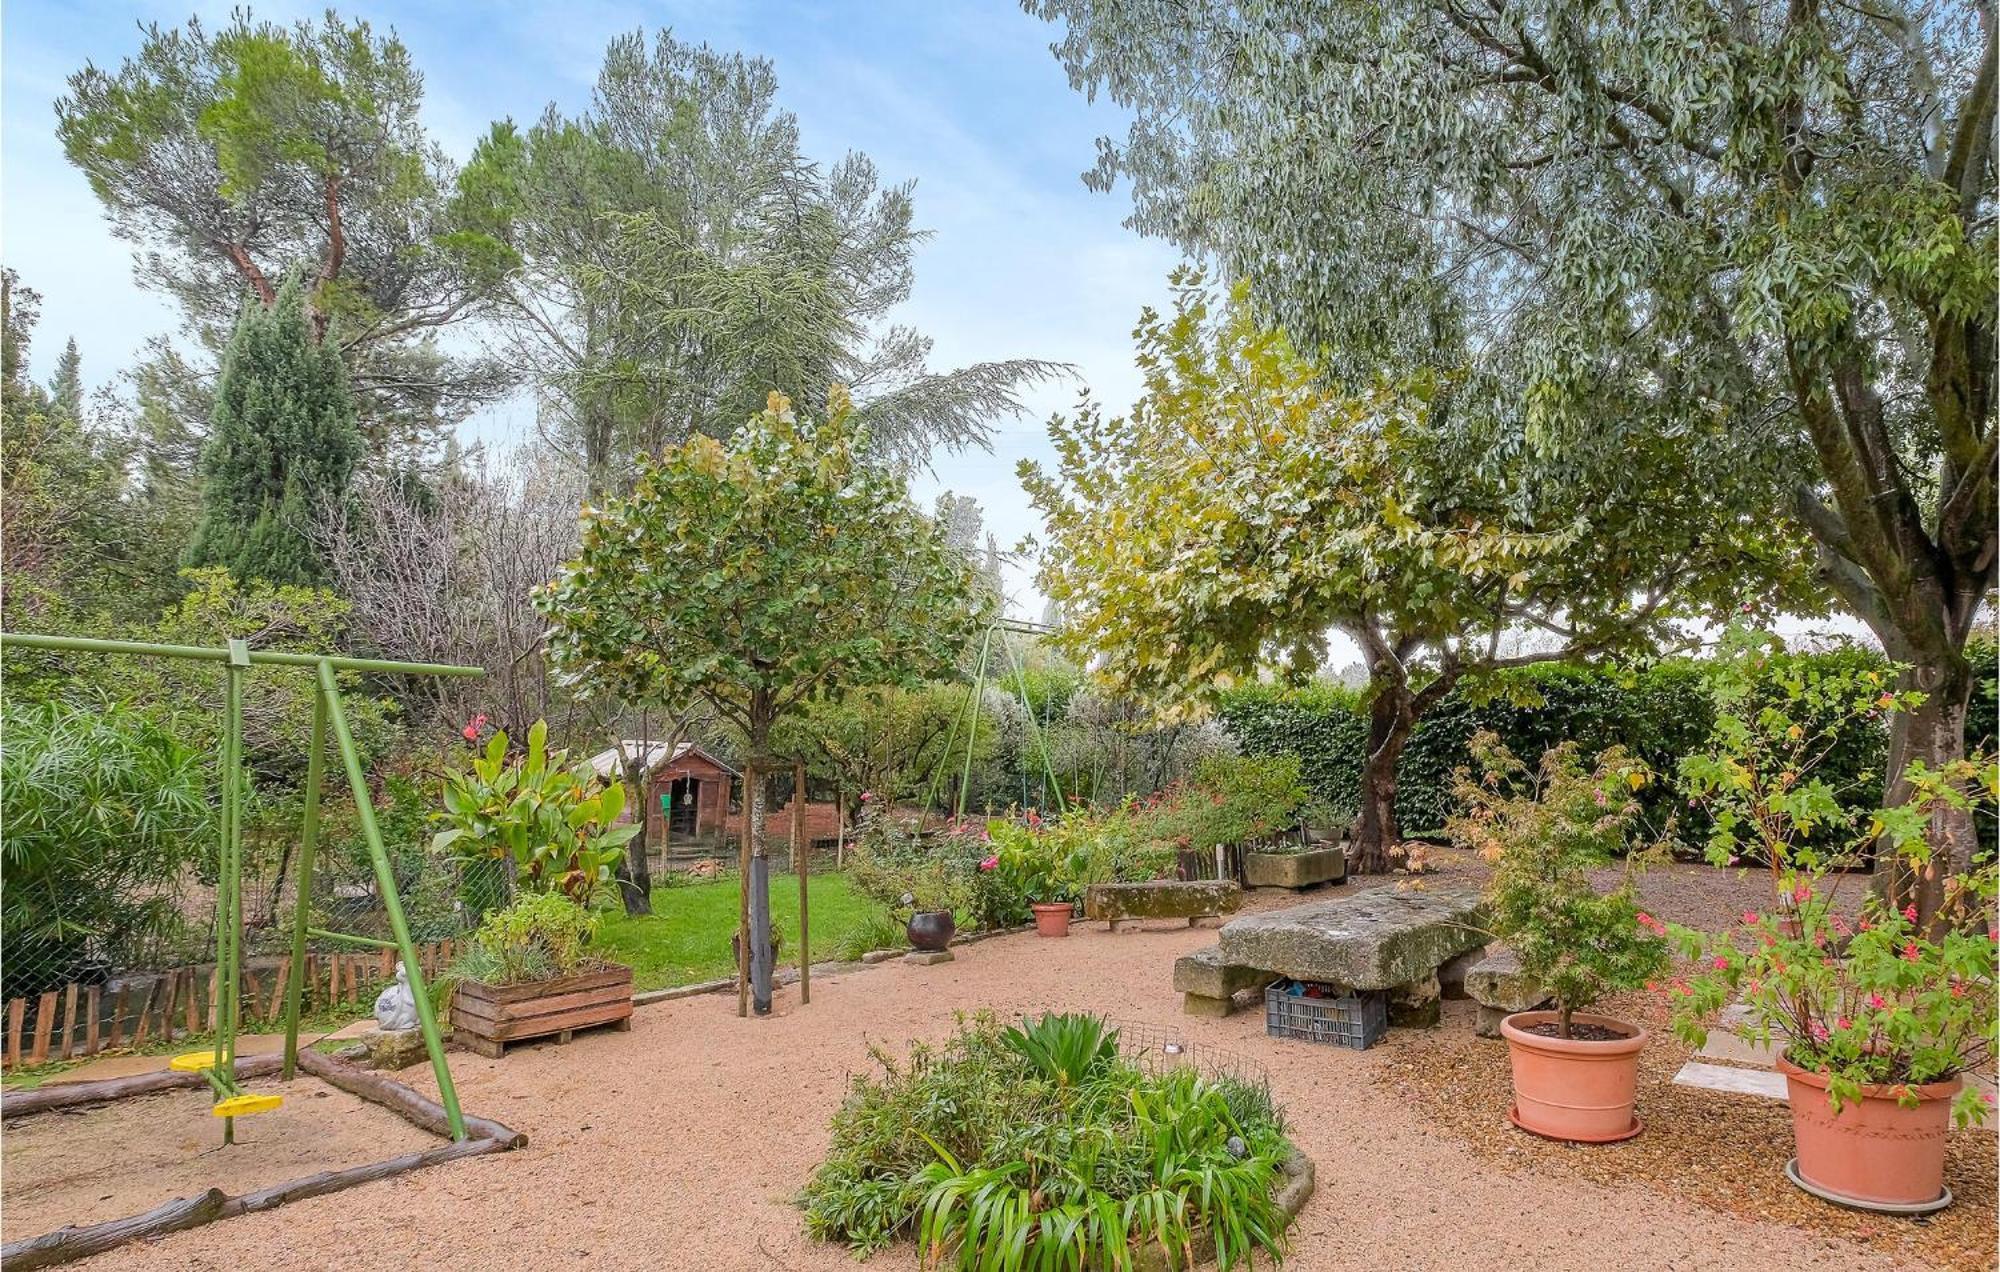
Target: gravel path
[{"x": 680, "y": 1145}]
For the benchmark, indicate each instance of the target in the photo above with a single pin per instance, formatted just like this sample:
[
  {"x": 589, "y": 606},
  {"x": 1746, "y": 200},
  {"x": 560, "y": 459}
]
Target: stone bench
[
  {"x": 1498, "y": 985},
  {"x": 1202, "y": 902},
  {"x": 1387, "y": 938},
  {"x": 1208, "y": 986}
]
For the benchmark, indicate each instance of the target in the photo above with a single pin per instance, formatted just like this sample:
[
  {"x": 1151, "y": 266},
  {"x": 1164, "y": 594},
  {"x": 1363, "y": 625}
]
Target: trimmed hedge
[{"x": 1660, "y": 714}]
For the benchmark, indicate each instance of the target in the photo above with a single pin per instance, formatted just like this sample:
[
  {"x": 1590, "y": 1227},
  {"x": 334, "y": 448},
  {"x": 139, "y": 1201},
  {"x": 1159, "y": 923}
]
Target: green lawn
[{"x": 686, "y": 937}]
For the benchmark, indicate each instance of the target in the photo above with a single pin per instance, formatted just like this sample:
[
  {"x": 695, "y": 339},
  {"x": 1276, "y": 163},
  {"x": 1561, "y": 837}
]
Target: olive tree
[{"x": 1614, "y": 219}]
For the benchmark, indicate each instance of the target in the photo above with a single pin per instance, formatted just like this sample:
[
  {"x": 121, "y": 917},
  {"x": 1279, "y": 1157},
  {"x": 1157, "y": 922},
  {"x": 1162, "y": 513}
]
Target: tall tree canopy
[
  {"x": 754, "y": 576},
  {"x": 1242, "y": 511},
  {"x": 230, "y": 158},
  {"x": 1615, "y": 219},
  {"x": 282, "y": 445},
  {"x": 671, "y": 256}
]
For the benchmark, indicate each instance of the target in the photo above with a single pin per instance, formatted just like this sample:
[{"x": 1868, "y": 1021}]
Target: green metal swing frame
[
  {"x": 328, "y": 714},
  {"x": 969, "y": 715}
]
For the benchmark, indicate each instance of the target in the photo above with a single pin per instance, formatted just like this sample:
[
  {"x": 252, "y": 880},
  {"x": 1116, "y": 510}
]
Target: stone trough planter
[
  {"x": 1296, "y": 870},
  {"x": 1294, "y": 1191},
  {"x": 1200, "y": 902},
  {"x": 487, "y": 1019}
]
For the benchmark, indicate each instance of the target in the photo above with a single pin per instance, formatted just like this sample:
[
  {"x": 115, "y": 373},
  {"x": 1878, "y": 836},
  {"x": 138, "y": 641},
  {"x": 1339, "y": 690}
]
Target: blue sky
[{"x": 964, "y": 98}]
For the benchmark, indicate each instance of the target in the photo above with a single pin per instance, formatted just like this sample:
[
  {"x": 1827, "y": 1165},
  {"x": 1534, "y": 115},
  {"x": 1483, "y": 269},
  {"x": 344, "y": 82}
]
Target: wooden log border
[{"x": 68, "y": 1244}]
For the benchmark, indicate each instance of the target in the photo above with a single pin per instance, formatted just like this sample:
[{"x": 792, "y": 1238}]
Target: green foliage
[
  {"x": 990, "y": 1161},
  {"x": 891, "y": 865},
  {"x": 1233, "y": 800},
  {"x": 1066, "y": 1048},
  {"x": 1893, "y": 998},
  {"x": 540, "y": 936},
  {"x": 1659, "y": 712},
  {"x": 237, "y": 157},
  {"x": 758, "y": 574},
  {"x": 101, "y": 810},
  {"x": 877, "y": 929},
  {"x": 282, "y": 446},
  {"x": 1544, "y": 830},
  {"x": 669, "y": 254},
  {"x": 556, "y": 822}
]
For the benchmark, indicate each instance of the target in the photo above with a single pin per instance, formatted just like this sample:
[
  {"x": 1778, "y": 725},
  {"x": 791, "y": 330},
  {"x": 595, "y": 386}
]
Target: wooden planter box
[{"x": 488, "y": 1018}]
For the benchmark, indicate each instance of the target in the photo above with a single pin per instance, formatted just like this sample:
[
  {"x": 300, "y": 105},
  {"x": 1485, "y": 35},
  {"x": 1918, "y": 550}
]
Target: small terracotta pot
[
  {"x": 1874, "y": 1152},
  {"x": 931, "y": 929},
  {"x": 1569, "y": 1089},
  {"x": 1052, "y": 917}
]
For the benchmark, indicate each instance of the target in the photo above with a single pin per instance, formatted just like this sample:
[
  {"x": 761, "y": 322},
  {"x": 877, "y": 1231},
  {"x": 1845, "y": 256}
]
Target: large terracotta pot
[
  {"x": 931, "y": 929},
  {"x": 1874, "y": 1152},
  {"x": 1052, "y": 917},
  {"x": 1570, "y": 1089}
]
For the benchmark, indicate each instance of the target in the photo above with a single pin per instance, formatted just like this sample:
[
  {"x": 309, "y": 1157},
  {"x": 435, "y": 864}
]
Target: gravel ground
[
  {"x": 681, "y": 1144},
  {"x": 112, "y": 1160}
]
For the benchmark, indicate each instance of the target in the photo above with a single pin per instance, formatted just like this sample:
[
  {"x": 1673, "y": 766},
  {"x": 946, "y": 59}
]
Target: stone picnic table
[{"x": 1391, "y": 938}]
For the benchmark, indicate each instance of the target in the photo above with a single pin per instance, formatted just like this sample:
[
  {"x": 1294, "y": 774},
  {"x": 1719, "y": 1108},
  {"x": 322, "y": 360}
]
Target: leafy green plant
[
  {"x": 880, "y": 930},
  {"x": 557, "y": 823},
  {"x": 541, "y": 935},
  {"x": 1544, "y": 830},
  {"x": 1065, "y": 1048},
  {"x": 991, "y": 1163},
  {"x": 100, "y": 811}
]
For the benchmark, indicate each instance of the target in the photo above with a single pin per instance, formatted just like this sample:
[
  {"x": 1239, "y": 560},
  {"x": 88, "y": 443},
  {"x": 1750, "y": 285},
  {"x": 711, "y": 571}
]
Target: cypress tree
[{"x": 283, "y": 439}]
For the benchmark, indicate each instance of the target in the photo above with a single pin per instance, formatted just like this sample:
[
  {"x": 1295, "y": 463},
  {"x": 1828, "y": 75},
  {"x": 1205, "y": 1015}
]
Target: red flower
[
  {"x": 1749, "y": 916},
  {"x": 1910, "y": 912},
  {"x": 991, "y": 863},
  {"x": 471, "y": 732},
  {"x": 1802, "y": 893},
  {"x": 1843, "y": 1023},
  {"x": 1910, "y": 951},
  {"x": 1721, "y": 963},
  {"x": 1819, "y": 1032},
  {"x": 1877, "y": 1001}
]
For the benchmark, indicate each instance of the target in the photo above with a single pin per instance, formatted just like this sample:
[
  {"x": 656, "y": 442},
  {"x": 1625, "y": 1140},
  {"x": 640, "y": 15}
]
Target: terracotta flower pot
[
  {"x": 1874, "y": 1153},
  {"x": 931, "y": 929},
  {"x": 1052, "y": 917},
  {"x": 1571, "y": 1089}
]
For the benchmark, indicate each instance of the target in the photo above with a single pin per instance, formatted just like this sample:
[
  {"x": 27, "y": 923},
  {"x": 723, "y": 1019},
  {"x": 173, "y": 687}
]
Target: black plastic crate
[{"x": 1353, "y": 1020}]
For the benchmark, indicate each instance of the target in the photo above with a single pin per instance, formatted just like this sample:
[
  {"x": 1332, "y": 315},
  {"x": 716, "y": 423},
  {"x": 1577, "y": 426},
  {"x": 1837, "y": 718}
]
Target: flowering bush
[
  {"x": 892, "y": 864},
  {"x": 1232, "y": 800},
  {"x": 1544, "y": 830},
  {"x": 1873, "y": 1000}
]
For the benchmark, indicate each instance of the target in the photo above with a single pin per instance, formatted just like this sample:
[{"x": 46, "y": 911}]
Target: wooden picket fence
[{"x": 137, "y": 1008}]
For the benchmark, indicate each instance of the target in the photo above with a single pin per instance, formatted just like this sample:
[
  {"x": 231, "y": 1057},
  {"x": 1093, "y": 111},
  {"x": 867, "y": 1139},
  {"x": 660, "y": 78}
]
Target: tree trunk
[
  {"x": 756, "y": 800},
  {"x": 635, "y": 874},
  {"x": 1377, "y": 836},
  {"x": 1934, "y": 735}
]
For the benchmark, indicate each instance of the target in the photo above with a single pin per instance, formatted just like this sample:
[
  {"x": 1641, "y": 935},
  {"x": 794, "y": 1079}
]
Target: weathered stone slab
[
  {"x": 1203, "y": 972},
  {"x": 1765, "y": 1083},
  {"x": 1497, "y": 981},
  {"x": 393, "y": 1048},
  {"x": 1203, "y": 1005},
  {"x": 1417, "y": 1005},
  {"x": 1377, "y": 939},
  {"x": 928, "y": 958},
  {"x": 1295, "y": 869},
  {"x": 1451, "y": 973},
  {"x": 1161, "y": 899}
]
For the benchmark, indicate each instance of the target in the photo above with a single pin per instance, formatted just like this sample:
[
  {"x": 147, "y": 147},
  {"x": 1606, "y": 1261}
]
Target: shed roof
[{"x": 607, "y": 763}]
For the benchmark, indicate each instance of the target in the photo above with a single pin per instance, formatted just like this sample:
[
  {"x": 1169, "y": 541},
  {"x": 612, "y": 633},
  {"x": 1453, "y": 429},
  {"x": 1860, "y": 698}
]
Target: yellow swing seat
[
  {"x": 193, "y": 1062},
  {"x": 244, "y": 1105}
]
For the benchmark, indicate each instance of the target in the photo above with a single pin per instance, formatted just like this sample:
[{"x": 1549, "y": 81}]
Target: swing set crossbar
[{"x": 328, "y": 715}]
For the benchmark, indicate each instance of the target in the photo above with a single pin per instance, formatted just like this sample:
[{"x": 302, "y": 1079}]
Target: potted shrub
[
  {"x": 527, "y": 973},
  {"x": 1030, "y": 863},
  {"x": 1878, "y": 1010},
  {"x": 1544, "y": 830}
]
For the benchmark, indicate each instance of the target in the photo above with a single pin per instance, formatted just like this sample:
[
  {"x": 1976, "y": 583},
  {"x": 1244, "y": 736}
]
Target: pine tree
[
  {"x": 283, "y": 440},
  {"x": 66, "y": 389}
]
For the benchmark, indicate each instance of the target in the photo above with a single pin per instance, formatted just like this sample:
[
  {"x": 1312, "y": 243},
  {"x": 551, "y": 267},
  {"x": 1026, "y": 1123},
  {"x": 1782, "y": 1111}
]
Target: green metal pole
[
  {"x": 1040, "y": 735},
  {"x": 972, "y": 735},
  {"x": 302, "y": 883},
  {"x": 204, "y": 653},
  {"x": 936, "y": 785},
  {"x": 232, "y": 879},
  {"x": 385, "y": 879}
]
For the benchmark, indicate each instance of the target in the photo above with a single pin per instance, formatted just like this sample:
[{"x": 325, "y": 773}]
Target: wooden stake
[
  {"x": 167, "y": 1006},
  {"x": 69, "y": 1021},
  {"x": 143, "y": 1014},
  {"x": 802, "y": 867},
  {"x": 277, "y": 1005},
  {"x": 193, "y": 1009},
  {"x": 91, "y": 1012},
  {"x": 45, "y": 1022},
  {"x": 117, "y": 1019},
  {"x": 17, "y": 1011}
]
